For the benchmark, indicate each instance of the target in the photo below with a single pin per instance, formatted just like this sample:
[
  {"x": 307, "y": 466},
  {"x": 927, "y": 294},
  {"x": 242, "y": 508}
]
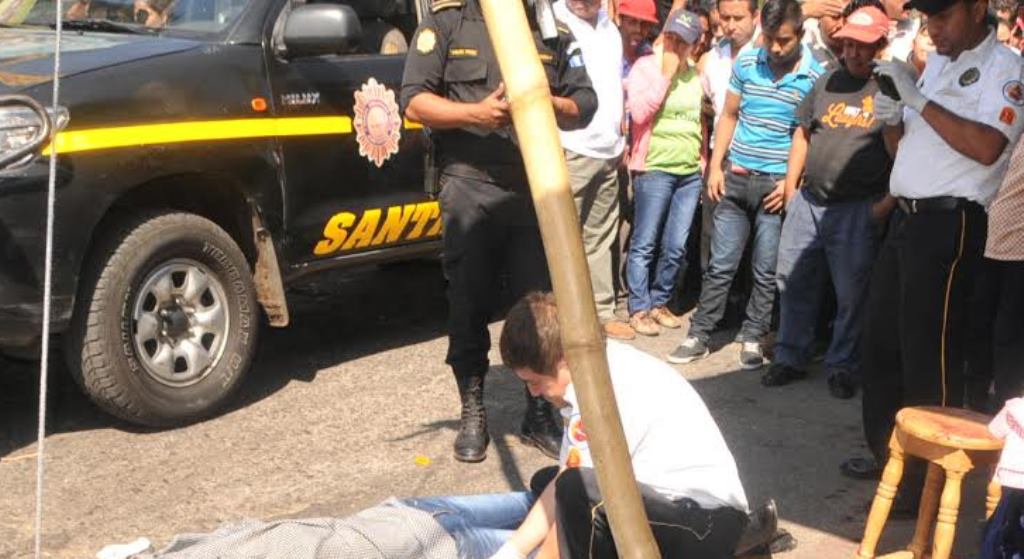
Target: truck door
[{"x": 359, "y": 187}]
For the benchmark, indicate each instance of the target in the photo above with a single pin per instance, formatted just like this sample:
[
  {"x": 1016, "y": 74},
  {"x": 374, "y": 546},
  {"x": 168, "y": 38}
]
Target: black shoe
[
  {"x": 841, "y": 385},
  {"x": 781, "y": 375},
  {"x": 540, "y": 429},
  {"x": 472, "y": 440},
  {"x": 861, "y": 468},
  {"x": 762, "y": 524}
]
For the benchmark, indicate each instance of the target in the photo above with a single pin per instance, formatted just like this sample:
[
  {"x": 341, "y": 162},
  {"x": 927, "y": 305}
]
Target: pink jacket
[
  {"x": 646, "y": 89},
  {"x": 1009, "y": 425}
]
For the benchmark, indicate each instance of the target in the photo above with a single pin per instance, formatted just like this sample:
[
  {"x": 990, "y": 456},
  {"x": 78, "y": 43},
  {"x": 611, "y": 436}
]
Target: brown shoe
[
  {"x": 644, "y": 324},
  {"x": 618, "y": 330},
  {"x": 664, "y": 317}
]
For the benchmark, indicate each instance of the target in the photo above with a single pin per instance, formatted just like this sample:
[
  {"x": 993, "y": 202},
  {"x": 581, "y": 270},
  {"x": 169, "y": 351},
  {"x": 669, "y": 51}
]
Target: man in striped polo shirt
[{"x": 756, "y": 128}]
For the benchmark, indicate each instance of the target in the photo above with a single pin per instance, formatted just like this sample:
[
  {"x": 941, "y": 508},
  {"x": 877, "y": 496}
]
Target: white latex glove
[
  {"x": 508, "y": 551},
  {"x": 887, "y": 109},
  {"x": 905, "y": 82}
]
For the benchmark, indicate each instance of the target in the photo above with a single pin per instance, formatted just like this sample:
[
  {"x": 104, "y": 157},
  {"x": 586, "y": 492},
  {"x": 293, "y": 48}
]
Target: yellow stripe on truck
[
  {"x": 74, "y": 141},
  {"x": 92, "y": 139}
]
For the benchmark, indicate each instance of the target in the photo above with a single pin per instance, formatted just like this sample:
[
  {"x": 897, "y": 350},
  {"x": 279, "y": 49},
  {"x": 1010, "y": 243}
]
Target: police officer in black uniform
[{"x": 453, "y": 86}]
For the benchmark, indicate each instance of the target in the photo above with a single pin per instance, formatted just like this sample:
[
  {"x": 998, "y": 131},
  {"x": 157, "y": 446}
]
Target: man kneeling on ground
[{"x": 687, "y": 477}]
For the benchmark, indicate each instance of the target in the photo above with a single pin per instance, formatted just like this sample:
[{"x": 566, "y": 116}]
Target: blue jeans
[
  {"x": 479, "y": 524},
  {"x": 741, "y": 208},
  {"x": 664, "y": 208},
  {"x": 817, "y": 237}
]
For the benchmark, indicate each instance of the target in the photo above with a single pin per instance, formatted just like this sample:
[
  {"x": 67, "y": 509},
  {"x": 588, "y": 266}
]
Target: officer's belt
[
  {"x": 930, "y": 205},
  {"x": 504, "y": 175}
]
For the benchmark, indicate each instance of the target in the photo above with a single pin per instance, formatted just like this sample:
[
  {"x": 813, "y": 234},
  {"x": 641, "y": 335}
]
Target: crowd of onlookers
[{"x": 854, "y": 167}]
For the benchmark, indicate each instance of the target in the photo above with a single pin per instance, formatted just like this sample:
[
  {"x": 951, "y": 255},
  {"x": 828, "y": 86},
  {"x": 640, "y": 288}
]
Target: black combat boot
[
  {"x": 540, "y": 428},
  {"x": 471, "y": 442}
]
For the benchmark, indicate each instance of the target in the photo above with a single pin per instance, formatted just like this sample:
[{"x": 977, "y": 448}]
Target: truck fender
[{"x": 267, "y": 275}]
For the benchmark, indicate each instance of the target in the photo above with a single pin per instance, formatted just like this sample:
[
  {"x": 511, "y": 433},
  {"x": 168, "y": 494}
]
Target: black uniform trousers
[
  {"x": 915, "y": 333},
  {"x": 681, "y": 527},
  {"x": 489, "y": 228}
]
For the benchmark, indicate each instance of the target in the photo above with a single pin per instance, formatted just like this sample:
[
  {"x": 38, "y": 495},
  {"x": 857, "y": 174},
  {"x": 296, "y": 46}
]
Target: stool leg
[
  {"x": 926, "y": 512},
  {"x": 883, "y": 502},
  {"x": 995, "y": 491},
  {"x": 949, "y": 508}
]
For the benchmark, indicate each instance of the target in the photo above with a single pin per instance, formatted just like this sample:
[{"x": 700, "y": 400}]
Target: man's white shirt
[
  {"x": 718, "y": 70},
  {"x": 675, "y": 446},
  {"x": 985, "y": 85},
  {"x": 601, "y": 45}
]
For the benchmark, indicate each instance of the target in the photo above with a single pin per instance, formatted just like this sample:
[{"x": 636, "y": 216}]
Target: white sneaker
[
  {"x": 751, "y": 356},
  {"x": 689, "y": 351}
]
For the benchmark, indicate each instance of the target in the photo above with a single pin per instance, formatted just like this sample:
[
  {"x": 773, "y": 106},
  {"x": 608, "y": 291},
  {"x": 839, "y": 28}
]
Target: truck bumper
[{"x": 22, "y": 244}]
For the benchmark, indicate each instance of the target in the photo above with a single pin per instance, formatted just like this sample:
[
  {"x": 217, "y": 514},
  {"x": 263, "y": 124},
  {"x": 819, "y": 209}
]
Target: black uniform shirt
[{"x": 451, "y": 56}]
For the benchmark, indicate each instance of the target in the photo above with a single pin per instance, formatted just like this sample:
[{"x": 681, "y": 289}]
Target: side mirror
[{"x": 319, "y": 29}]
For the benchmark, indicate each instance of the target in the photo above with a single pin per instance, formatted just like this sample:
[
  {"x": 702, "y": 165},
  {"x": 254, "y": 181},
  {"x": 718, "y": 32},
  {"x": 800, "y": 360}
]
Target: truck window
[
  {"x": 194, "y": 16},
  {"x": 387, "y": 25}
]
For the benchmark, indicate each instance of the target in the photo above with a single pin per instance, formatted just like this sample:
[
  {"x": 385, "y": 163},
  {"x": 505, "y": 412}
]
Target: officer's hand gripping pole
[{"x": 534, "y": 119}]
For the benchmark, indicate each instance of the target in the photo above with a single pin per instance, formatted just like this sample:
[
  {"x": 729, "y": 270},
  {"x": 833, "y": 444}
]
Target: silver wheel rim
[{"x": 180, "y": 322}]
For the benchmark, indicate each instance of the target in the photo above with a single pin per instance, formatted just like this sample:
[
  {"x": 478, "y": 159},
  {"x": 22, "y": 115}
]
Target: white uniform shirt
[
  {"x": 602, "y": 56},
  {"x": 675, "y": 445},
  {"x": 984, "y": 85}
]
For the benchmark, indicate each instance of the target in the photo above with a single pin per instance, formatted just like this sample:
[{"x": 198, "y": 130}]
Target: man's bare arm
[
  {"x": 567, "y": 112},
  {"x": 537, "y": 524},
  {"x": 977, "y": 141},
  {"x": 439, "y": 113},
  {"x": 892, "y": 135}
]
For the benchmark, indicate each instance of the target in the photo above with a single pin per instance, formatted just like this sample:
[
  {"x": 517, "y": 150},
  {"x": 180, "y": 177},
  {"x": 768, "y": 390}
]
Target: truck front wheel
[{"x": 166, "y": 322}]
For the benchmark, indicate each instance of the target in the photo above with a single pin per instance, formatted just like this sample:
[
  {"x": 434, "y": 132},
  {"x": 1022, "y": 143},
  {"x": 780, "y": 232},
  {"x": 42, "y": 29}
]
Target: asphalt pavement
[{"x": 353, "y": 404}]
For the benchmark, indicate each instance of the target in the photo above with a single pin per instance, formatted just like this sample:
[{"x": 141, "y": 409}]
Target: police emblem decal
[
  {"x": 969, "y": 77},
  {"x": 1013, "y": 91},
  {"x": 426, "y": 41},
  {"x": 377, "y": 122}
]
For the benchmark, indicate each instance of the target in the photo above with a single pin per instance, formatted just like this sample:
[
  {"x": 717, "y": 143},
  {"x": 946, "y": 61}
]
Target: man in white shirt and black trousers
[
  {"x": 959, "y": 123},
  {"x": 686, "y": 474}
]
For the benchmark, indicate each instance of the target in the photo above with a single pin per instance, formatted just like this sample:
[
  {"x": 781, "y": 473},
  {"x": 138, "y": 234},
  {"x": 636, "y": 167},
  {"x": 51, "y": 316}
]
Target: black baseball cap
[{"x": 929, "y": 7}]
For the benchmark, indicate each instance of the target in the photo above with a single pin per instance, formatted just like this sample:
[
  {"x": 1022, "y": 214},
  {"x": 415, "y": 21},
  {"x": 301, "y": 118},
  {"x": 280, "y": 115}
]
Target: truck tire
[{"x": 166, "y": 321}]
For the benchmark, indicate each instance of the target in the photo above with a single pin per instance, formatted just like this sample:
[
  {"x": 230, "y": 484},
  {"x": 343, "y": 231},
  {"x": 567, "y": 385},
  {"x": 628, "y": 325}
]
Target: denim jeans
[
  {"x": 741, "y": 208},
  {"x": 664, "y": 208},
  {"x": 817, "y": 237},
  {"x": 479, "y": 524}
]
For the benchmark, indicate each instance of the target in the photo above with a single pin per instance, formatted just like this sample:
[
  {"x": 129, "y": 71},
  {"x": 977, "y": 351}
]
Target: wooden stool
[{"x": 953, "y": 441}]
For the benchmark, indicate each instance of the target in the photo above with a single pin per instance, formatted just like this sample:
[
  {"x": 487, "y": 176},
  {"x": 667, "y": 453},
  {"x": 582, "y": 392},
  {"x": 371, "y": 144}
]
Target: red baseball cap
[
  {"x": 643, "y": 10},
  {"x": 865, "y": 25}
]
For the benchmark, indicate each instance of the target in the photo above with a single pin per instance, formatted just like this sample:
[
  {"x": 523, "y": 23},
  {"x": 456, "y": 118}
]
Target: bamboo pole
[{"x": 534, "y": 119}]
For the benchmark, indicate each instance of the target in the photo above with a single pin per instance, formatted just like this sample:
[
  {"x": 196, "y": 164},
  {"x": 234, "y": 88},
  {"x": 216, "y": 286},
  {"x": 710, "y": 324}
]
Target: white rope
[{"x": 44, "y": 362}]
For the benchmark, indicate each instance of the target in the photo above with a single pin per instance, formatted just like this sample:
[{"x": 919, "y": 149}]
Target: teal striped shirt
[{"x": 767, "y": 115}]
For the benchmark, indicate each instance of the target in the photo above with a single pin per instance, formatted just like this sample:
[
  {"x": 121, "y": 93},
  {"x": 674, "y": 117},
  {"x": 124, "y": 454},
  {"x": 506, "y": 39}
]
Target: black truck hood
[{"x": 26, "y": 58}]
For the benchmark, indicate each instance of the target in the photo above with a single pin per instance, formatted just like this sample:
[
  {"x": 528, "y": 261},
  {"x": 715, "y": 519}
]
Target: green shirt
[{"x": 676, "y": 135}]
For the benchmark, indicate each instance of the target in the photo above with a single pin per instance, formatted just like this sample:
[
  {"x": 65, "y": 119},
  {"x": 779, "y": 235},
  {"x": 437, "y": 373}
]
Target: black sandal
[{"x": 861, "y": 468}]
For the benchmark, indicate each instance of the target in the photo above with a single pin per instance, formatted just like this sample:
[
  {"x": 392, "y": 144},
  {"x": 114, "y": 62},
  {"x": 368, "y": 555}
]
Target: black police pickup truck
[{"x": 209, "y": 153}]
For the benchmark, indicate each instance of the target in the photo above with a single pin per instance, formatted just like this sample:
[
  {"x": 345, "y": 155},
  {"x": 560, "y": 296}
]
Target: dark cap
[
  {"x": 686, "y": 24},
  {"x": 929, "y": 7}
]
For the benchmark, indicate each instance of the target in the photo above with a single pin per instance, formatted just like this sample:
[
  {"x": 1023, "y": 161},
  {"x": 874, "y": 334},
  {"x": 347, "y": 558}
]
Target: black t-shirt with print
[{"x": 846, "y": 158}]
